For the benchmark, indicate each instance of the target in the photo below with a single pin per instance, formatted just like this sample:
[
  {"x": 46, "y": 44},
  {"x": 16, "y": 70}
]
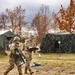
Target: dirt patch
[{"x": 42, "y": 70}]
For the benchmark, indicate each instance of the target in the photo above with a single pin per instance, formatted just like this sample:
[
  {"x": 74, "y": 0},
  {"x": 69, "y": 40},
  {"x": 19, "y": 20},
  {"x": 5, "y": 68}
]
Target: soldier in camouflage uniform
[
  {"x": 14, "y": 59},
  {"x": 28, "y": 54}
]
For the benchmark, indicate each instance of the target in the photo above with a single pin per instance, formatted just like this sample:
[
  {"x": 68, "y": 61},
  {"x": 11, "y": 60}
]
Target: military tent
[
  {"x": 5, "y": 36},
  {"x": 58, "y": 42}
]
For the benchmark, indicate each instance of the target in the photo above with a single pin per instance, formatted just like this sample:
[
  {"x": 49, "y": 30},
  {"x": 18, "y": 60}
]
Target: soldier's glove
[{"x": 24, "y": 57}]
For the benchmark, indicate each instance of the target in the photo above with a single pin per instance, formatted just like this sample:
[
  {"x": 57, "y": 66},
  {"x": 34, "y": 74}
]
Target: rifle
[{"x": 17, "y": 54}]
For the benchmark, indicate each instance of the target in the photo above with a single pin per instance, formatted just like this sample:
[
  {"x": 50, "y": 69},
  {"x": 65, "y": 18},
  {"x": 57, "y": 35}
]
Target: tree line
[{"x": 44, "y": 20}]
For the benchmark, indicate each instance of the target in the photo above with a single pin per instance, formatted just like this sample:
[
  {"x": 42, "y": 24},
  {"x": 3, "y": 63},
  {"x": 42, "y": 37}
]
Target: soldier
[
  {"x": 28, "y": 54},
  {"x": 14, "y": 56}
]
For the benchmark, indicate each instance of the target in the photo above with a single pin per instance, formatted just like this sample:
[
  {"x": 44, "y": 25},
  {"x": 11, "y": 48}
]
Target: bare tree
[
  {"x": 11, "y": 15},
  {"x": 20, "y": 17},
  {"x": 3, "y": 20},
  {"x": 42, "y": 20},
  {"x": 16, "y": 18}
]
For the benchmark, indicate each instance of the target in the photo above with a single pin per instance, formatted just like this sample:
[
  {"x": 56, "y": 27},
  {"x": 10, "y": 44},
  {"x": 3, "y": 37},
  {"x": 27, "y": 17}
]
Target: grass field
[
  {"x": 49, "y": 59},
  {"x": 55, "y": 59},
  {"x": 52, "y": 64}
]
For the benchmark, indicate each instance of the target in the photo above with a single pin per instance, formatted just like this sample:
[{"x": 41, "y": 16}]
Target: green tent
[
  {"x": 4, "y": 37},
  {"x": 58, "y": 42}
]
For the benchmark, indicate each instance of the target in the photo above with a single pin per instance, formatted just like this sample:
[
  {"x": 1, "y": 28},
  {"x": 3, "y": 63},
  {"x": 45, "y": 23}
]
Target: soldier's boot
[
  {"x": 8, "y": 70},
  {"x": 31, "y": 72},
  {"x": 26, "y": 71},
  {"x": 20, "y": 73},
  {"x": 5, "y": 73}
]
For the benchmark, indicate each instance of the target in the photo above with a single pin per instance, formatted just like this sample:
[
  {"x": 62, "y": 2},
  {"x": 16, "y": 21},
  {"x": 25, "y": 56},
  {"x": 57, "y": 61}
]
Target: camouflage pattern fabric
[
  {"x": 13, "y": 61},
  {"x": 28, "y": 53}
]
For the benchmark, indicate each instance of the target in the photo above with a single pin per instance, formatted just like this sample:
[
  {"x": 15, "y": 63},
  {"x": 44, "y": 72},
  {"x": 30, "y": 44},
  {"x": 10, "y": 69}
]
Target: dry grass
[
  {"x": 49, "y": 59},
  {"x": 55, "y": 59},
  {"x": 3, "y": 58},
  {"x": 53, "y": 64}
]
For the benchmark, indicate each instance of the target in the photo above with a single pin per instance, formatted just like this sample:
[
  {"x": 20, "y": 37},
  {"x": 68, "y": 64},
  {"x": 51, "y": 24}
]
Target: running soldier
[
  {"x": 14, "y": 56},
  {"x": 28, "y": 54}
]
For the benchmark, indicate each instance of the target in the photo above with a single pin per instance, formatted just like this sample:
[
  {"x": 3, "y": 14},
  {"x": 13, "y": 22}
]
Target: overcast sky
[{"x": 32, "y": 6}]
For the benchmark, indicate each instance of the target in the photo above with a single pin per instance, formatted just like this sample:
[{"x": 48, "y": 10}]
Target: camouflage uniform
[
  {"x": 14, "y": 60},
  {"x": 28, "y": 54}
]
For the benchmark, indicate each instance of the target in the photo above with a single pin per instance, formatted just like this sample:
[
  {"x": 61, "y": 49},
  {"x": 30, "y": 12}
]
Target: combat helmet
[{"x": 16, "y": 38}]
